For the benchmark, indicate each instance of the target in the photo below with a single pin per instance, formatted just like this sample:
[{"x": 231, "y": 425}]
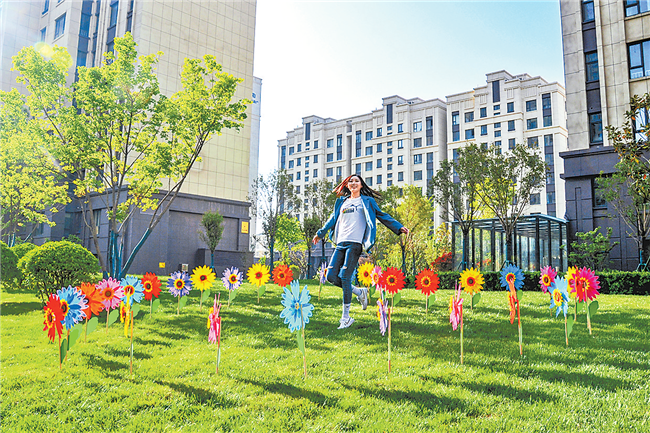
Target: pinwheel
[
  {"x": 232, "y": 279},
  {"x": 427, "y": 282},
  {"x": 202, "y": 278},
  {"x": 53, "y": 320},
  {"x": 392, "y": 280},
  {"x": 258, "y": 274},
  {"x": 296, "y": 314},
  {"x": 133, "y": 289},
  {"x": 382, "y": 316},
  {"x": 179, "y": 285},
  {"x": 586, "y": 289},
  {"x": 513, "y": 278},
  {"x": 560, "y": 301},
  {"x": 456, "y": 315},
  {"x": 112, "y": 293},
  {"x": 365, "y": 274},
  {"x": 151, "y": 285},
  {"x": 282, "y": 275},
  {"x": 94, "y": 305},
  {"x": 471, "y": 280},
  {"x": 322, "y": 277},
  {"x": 73, "y": 303},
  {"x": 547, "y": 277},
  {"x": 214, "y": 325}
]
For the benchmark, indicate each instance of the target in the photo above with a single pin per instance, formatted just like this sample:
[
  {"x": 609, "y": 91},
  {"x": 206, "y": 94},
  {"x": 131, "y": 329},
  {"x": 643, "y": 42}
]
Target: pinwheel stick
[
  {"x": 426, "y": 305},
  {"x": 521, "y": 349},
  {"x": 178, "y": 308},
  {"x": 60, "y": 367},
  {"x": 86, "y": 333},
  {"x": 588, "y": 317},
  {"x": 108, "y": 313},
  {"x": 390, "y": 313},
  {"x": 66, "y": 352},
  {"x": 320, "y": 287},
  {"x": 131, "y": 361},
  {"x": 566, "y": 332},
  {"x": 461, "y": 334},
  {"x": 150, "y": 307},
  {"x": 304, "y": 353}
]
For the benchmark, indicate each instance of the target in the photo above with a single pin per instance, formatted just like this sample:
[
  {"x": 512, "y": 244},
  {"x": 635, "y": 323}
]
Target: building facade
[
  {"x": 180, "y": 29},
  {"x": 606, "y": 43},
  {"x": 515, "y": 109}
]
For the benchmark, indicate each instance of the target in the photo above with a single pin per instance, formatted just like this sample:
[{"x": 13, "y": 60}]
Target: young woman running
[{"x": 354, "y": 227}]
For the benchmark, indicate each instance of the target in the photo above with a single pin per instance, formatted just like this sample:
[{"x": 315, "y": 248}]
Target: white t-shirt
[{"x": 351, "y": 224}]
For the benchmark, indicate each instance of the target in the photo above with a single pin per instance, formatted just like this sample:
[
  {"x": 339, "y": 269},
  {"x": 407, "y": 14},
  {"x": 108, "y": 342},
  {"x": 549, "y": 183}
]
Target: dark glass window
[
  {"x": 483, "y": 112},
  {"x": 591, "y": 66},
  {"x": 114, "y": 9},
  {"x": 639, "y": 54},
  {"x": 534, "y": 198},
  {"x": 59, "y": 27},
  {"x": 531, "y": 123},
  {"x": 483, "y": 129},
  {"x": 389, "y": 113},
  {"x": 469, "y": 134},
  {"x": 46, "y": 6},
  {"x": 417, "y": 175},
  {"x": 632, "y": 7},
  {"x": 511, "y": 125},
  {"x": 510, "y": 107},
  {"x": 469, "y": 117},
  {"x": 417, "y": 142},
  {"x": 587, "y": 11},
  {"x": 595, "y": 128}
]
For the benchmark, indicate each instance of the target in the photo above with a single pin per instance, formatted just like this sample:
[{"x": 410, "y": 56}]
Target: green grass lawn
[{"x": 599, "y": 383}]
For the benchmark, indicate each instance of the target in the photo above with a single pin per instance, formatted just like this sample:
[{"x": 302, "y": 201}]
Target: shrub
[
  {"x": 296, "y": 271},
  {"x": 54, "y": 265},
  {"x": 9, "y": 271},
  {"x": 20, "y": 250}
]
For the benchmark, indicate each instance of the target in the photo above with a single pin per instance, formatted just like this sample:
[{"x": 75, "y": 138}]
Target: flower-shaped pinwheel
[
  {"x": 586, "y": 285},
  {"x": 73, "y": 303},
  {"x": 456, "y": 309},
  {"x": 427, "y": 282},
  {"x": 512, "y": 274},
  {"x": 179, "y": 284},
  {"x": 376, "y": 276},
  {"x": 559, "y": 296},
  {"x": 571, "y": 274},
  {"x": 112, "y": 293},
  {"x": 133, "y": 290},
  {"x": 151, "y": 285},
  {"x": 258, "y": 274},
  {"x": 322, "y": 273},
  {"x": 297, "y": 309},
  {"x": 471, "y": 280},
  {"x": 214, "y": 322},
  {"x": 232, "y": 278},
  {"x": 94, "y": 299},
  {"x": 392, "y": 280},
  {"x": 202, "y": 278},
  {"x": 547, "y": 278},
  {"x": 382, "y": 316},
  {"x": 53, "y": 317},
  {"x": 282, "y": 275},
  {"x": 365, "y": 274}
]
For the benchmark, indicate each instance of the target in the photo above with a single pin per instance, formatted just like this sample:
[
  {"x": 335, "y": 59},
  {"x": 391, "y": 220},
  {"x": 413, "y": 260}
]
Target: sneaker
[
  {"x": 363, "y": 298},
  {"x": 345, "y": 323}
]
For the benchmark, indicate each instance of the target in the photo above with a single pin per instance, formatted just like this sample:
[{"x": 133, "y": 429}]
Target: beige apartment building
[
  {"x": 606, "y": 60},
  {"x": 180, "y": 29}
]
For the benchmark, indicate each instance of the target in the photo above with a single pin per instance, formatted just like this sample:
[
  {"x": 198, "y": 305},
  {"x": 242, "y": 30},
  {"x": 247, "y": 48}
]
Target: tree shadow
[
  {"x": 294, "y": 392},
  {"x": 203, "y": 396},
  {"x": 17, "y": 308}
]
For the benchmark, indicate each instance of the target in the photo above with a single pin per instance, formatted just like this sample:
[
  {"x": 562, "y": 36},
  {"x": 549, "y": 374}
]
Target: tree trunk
[
  {"x": 212, "y": 260},
  {"x": 464, "y": 263},
  {"x": 509, "y": 248}
]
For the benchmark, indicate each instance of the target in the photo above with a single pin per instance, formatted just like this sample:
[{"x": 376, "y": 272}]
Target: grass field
[{"x": 599, "y": 384}]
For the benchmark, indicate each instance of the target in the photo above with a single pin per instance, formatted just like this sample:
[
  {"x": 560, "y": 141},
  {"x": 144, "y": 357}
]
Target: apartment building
[
  {"x": 606, "y": 44},
  {"x": 515, "y": 109},
  {"x": 400, "y": 143},
  {"x": 189, "y": 28}
]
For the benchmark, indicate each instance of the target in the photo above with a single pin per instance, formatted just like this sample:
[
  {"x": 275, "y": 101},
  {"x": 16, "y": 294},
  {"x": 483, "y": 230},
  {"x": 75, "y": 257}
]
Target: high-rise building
[
  {"x": 180, "y": 29},
  {"x": 509, "y": 110},
  {"x": 605, "y": 45}
]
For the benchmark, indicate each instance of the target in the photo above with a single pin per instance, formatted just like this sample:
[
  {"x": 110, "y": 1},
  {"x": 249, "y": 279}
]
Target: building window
[
  {"x": 548, "y": 120},
  {"x": 531, "y": 105},
  {"x": 591, "y": 66},
  {"x": 291, "y": 150},
  {"x": 417, "y": 159},
  {"x": 469, "y": 134},
  {"x": 114, "y": 8},
  {"x": 400, "y": 127},
  {"x": 417, "y": 175},
  {"x": 595, "y": 128},
  {"x": 330, "y": 143},
  {"x": 639, "y": 124},
  {"x": 400, "y": 160},
  {"x": 417, "y": 126},
  {"x": 299, "y": 147},
  {"x": 389, "y": 114},
  {"x": 298, "y": 175},
  {"x": 632, "y": 7},
  {"x": 378, "y": 179},
  {"x": 483, "y": 112},
  {"x": 339, "y": 171},
  {"x": 400, "y": 144},
  {"x": 455, "y": 128},
  {"x": 511, "y": 125},
  {"x": 378, "y": 163},
  {"x": 400, "y": 176},
  {"x": 534, "y": 199},
  {"x": 511, "y": 143},
  {"x": 469, "y": 117},
  {"x": 46, "y": 6},
  {"x": 483, "y": 129},
  {"x": 43, "y": 33},
  {"x": 454, "y": 118},
  {"x": 339, "y": 147},
  {"x": 389, "y": 167},
  {"x": 369, "y": 166},
  {"x": 510, "y": 108},
  {"x": 389, "y": 129},
  {"x": 417, "y": 142},
  {"x": 299, "y": 162},
  {"x": 389, "y": 183},
  {"x": 497, "y": 108},
  {"x": 531, "y": 123},
  {"x": 430, "y": 140},
  {"x": 588, "y": 11},
  {"x": 315, "y": 144},
  {"x": 357, "y": 169},
  {"x": 597, "y": 195},
  {"x": 533, "y": 141},
  {"x": 330, "y": 172},
  {"x": 497, "y": 133},
  {"x": 330, "y": 157},
  {"x": 379, "y": 132},
  {"x": 315, "y": 159},
  {"x": 548, "y": 140},
  {"x": 59, "y": 27},
  {"x": 368, "y": 150},
  {"x": 369, "y": 181},
  {"x": 389, "y": 151},
  {"x": 550, "y": 197},
  {"x": 291, "y": 163},
  {"x": 429, "y": 123},
  {"x": 368, "y": 135},
  {"x": 638, "y": 54},
  {"x": 378, "y": 147}
]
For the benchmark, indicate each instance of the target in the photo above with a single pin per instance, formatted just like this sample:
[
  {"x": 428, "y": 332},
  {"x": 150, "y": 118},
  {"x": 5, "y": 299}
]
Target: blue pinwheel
[
  {"x": 512, "y": 273},
  {"x": 297, "y": 309},
  {"x": 179, "y": 284},
  {"x": 560, "y": 296},
  {"x": 73, "y": 302},
  {"x": 133, "y": 289}
]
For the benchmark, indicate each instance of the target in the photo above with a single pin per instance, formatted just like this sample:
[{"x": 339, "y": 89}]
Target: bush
[
  {"x": 296, "y": 271},
  {"x": 9, "y": 271},
  {"x": 624, "y": 283},
  {"x": 20, "y": 250},
  {"x": 54, "y": 265}
]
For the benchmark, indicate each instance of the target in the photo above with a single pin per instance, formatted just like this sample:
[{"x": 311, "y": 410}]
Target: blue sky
[{"x": 339, "y": 58}]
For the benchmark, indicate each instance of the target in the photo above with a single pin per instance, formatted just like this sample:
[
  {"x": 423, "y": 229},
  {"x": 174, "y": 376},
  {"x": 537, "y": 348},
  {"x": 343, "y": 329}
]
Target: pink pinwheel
[
  {"x": 456, "y": 315},
  {"x": 214, "y": 323},
  {"x": 547, "y": 278},
  {"x": 112, "y": 293}
]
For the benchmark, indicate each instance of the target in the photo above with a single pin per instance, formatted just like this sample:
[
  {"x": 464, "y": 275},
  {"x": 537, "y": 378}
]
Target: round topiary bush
[
  {"x": 9, "y": 271},
  {"x": 22, "y": 249},
  {"x": 54, "y": 265}
]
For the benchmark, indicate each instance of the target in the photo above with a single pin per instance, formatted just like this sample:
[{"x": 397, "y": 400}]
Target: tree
[
  {"x": 269, "y": 199},
  {"x": 31, "y": 181},
  {"x": 591, "y": 249},
  {"x": 415, "y": 211},
  {"x": 121, "y": 140},
  {"x": 289, "y": 232},
  {"x": 627, "y": 190},
  {"x": 212, "y": 223},
  {"x": 455, "y": 188},
  {"x": 509, "y": 180},
  {"x": 386, "y": 240},
  {"x": 310, "y": 226},
  {"x": 321, "y": 204}
]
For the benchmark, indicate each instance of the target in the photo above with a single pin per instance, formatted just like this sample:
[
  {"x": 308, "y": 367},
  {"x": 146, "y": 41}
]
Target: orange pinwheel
[
  {"x": 94, "y": 299},
  {"x": 151, "y": 285},
  {"x": 282, "y": 275},
  {"x": 393, "y": 280},
  {"x": 427, "y": 282}
]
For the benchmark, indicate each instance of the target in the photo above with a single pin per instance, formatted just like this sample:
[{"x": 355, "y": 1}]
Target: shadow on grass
[
  {"x": 17, "y": 308},
  {"x": 200, "y": 395},
  {"x": 151, "y": 341},
  {"x": 294, "y": 392}
]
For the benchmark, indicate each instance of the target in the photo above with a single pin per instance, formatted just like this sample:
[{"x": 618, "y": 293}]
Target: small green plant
[
  {"x": 57, "y": 264},
  {"x": 10, "y": 273},
  {"x": 592, "y": 249}
]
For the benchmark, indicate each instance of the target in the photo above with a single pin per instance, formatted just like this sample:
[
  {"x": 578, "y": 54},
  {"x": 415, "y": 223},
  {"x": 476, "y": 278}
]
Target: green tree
[
  {"x": 386, "y": 240},
  {"x": 123, "y": 141},
  {"x": 310, "y": 226},
  {"x": 455, "y": 187},
  {"x": 591, "y": 249},
  {"x": 270, "y": 198},
  {"x": 415, "y": 212},
  {"x": 509, "y": 180},
  {"x": 30, "y": 180},
  {"x": 212, "y": 223},
  {"x": 627, "y": 190},
  {"x": 289, "y": 232},
  {"x": 321, "y": 205}
]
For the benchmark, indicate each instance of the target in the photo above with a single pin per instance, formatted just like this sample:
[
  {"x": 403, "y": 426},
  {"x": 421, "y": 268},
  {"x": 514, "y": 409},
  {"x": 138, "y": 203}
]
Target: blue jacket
[{"x": 372, "y": 212}]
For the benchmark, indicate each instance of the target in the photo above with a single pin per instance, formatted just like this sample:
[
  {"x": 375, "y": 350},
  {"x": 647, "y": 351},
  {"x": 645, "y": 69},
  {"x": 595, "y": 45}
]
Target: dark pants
[{"x": 342, "y": 266}]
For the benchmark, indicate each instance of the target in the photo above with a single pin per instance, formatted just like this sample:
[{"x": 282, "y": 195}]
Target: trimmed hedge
[{"x": 9, "y": 273}]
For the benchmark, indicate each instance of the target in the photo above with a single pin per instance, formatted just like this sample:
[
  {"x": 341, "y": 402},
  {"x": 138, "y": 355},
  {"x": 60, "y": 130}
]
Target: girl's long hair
[{"x": 342, "y": 188}]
